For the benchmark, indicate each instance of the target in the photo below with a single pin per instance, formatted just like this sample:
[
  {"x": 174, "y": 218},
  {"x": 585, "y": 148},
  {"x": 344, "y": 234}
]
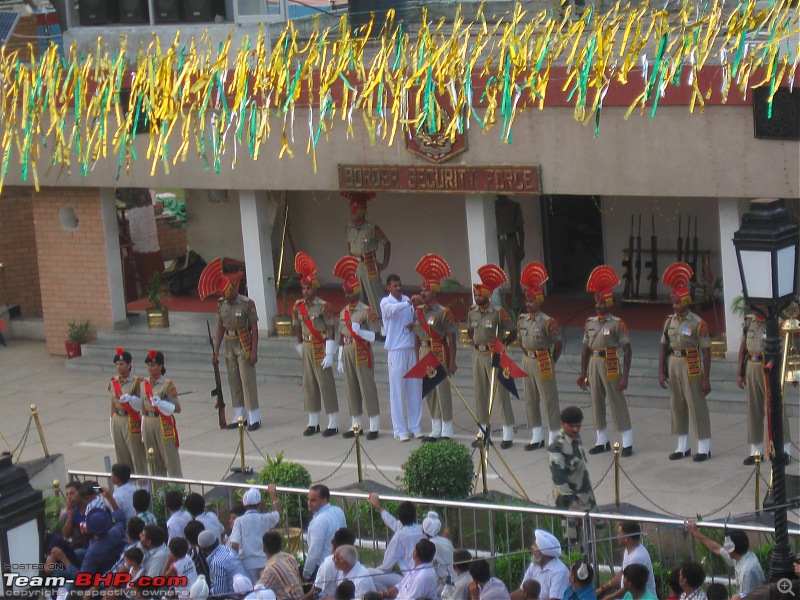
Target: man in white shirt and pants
[{"x": 398, "y": 314}]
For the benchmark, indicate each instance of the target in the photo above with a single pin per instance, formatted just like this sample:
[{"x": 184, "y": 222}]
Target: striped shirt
[
  {"x": 223, "y": 564},
  {"x": 281, "y": 575}
]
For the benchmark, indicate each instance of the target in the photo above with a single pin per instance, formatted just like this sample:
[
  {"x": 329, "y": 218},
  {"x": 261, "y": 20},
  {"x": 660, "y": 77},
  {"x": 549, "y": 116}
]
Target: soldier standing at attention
[
  {"x": 160, "y": 401},
  {"x": 687, "y": 343},
  {"x": 237, "y": 321},
  {"x": 355, "y": 351},
  {"x": 752, "y": 380},
  {"x": 603, "y": 337},
  {"x": 126, "y": 420},
  {"x": 510, "y": 239},
  {"x": 314, "y": 324},
  {"x": 542, "y": 344},
  {"x": 488, "y": 323},
  {"x": 435, "y": 331},
  {"x": 363, "y": 239},
  {"x": 571, "y": 486}
]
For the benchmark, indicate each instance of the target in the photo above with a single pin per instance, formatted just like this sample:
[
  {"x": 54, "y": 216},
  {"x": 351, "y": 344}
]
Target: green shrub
[
  {"x": 287, "y": 474},
  {"x": 53, "y": 505},
  {"x": 441, "y": 470},
  {"x": 510, "y": 568},
  {"x": 159, "y": 510}
]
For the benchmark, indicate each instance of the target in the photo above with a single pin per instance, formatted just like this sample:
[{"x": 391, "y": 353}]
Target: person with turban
[
  {"x": 546, "y": 568},
  {"x": 126, "y": 417}
]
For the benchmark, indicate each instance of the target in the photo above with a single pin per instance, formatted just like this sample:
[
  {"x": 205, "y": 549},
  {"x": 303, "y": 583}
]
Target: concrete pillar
[
  {"x": 729, "y": 222},
  {"x": 481, "y": 232},
  {"x": 116, "y": 288},
  {"x": 256, "y": 238}
]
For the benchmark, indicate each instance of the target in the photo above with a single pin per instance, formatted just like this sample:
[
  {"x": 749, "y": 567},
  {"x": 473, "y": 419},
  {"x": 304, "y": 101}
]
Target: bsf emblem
[{"x": 436, "y": 146}]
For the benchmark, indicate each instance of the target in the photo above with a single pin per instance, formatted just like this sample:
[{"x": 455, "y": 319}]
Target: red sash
[
  {"x": 318, "y": 343},
  {"x": 362, "y": 346},
  {"x": 436, "y": 340},
  {"x": 168, "y": 428},
  {"x": 134, "y": 418}
]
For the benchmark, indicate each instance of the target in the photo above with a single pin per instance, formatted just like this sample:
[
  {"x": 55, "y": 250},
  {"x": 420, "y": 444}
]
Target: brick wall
[
  {"x": 18, "y": 251},
  {"x": 172, "y": 240},
  {"x": 72, "y": 264}
]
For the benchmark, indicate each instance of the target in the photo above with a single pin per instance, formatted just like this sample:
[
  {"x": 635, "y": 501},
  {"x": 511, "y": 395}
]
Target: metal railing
[{"x": 502, "y": 533}]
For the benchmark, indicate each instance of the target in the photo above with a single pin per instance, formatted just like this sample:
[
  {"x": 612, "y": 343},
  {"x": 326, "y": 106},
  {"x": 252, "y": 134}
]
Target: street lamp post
[{"x": 767, "y": 252}]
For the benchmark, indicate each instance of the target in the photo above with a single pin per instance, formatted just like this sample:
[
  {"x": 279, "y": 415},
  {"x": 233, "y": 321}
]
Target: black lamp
[{"x": 767, "y": 251}]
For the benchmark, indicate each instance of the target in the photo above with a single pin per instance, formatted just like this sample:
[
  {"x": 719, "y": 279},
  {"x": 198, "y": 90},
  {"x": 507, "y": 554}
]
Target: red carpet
[{"x": 568, "y": 311}]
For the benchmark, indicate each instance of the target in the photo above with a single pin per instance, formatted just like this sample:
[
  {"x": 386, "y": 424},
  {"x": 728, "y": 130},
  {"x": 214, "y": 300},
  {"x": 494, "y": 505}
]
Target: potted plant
[
  {"x": 77, "y": 334},
  {"x": 283, "y": 321},
  {"x": 157, "y": 294}
]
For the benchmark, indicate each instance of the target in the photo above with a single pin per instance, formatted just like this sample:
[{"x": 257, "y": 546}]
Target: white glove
[
  {"x": 125, "y": 398},
  {"x": 155, "y": 400},
  {"x": 340, "y": 366},
  {"x": 366, "y": 334},
  {"x": 166, "y": 407},
  {"x": 299, "y": 349},
  {"x": 134, "y": 401},
  {"x": 330, "y": 350},
  {"x": 356, "y": 327},
  {"x": 111, "y": 426}
]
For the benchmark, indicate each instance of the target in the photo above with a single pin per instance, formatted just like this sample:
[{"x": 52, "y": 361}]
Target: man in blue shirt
[{"x": 581, "y": 578}]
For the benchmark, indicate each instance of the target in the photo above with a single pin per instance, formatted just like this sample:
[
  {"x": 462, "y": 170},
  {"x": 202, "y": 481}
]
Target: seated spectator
[
  {"x": 177, "y": 518},
  {"x": 420, "y": 581},
  {"x": 52, "y": 541},
  {"x": 90, "y": 493},
  {"x": 461, "y": 560},
  {"x": 191, "y": 532},
  {"x": 635, "y": 581},
  {"x": 531, "y": 589},
  {"x": 629, "y": 534},
  {"x": 736, "y": 553},
  {"x": 223, "y": 564},
  {"x": 132, "y": 565},
  {"x": 717, "y": 591},
  {"x": 280, "y": 573},
  {"x": 581, "y": 578},
  {"x": 108, "y": 540},
  {"x": 155, "y": 550},
  {"x": 346, "y": 590},
  {"x": 345, "y": 558},
  {"x": 483, "y": 585},
  {"x": 675, "y": 590},
  {"x": 141, "y": 504},
  {"x": 73, "y": 515},
  {"x": 123, "y": 494},
  {"x": 692, "y": 576},
  {"x": 401, "y": 547},
  {"x": 443, "y": 562},
  {"x": 179, "y": 564},
  {"x": 325, "y": 580},
  {"x": 249, "y": 529},
  {"x": 195, "y": 505},
  {"x": 546, "y": 568},
  {"x": 133, "y": 529}
]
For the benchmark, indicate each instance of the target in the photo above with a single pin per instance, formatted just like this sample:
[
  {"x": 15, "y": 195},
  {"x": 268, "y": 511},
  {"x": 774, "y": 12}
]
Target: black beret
[{"x": 572, "y": 415}]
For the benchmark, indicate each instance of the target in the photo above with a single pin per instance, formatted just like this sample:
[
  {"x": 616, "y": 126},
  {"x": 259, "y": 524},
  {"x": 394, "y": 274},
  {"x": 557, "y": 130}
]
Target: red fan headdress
[
  {"x": 492, "y": 277},
  {"x": 307, "y": 269},
  {"x": 433, "y": 269},
  {"x": 601, "y": 282},
  {"x": 358, "y": 201},
  {"x": 533, "y": 276},
  {"x": 212, "y": 280},
  {"x": 677, "y": 276},
  {"x": 345, "y": 269}
]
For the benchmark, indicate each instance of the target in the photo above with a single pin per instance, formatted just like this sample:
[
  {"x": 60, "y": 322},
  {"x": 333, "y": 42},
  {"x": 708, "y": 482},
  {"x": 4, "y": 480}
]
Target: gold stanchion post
[
  {"x": 357, "y": 433},
  {"x": 484, "y": 463},
  {"x": 39, "y": 428},
  {"x": 617, "y": 453},
  {"x": 151, "y": 468},
  {"x": 56, "y": 488},
  {"x": 757, "y": 456}
]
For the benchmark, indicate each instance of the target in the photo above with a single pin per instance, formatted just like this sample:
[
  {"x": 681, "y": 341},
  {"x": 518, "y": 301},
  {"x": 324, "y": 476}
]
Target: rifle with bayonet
[
  {"x": 217, "y": 391},
  {"x": 687, "y": 248},
  {"x": 638, "y": 258},
  {"x": 694, "y": 257},
  {"x": 653, "y": 264},
  {"x": 627, "y": 262},
  {"x": 680, "y": 241}
]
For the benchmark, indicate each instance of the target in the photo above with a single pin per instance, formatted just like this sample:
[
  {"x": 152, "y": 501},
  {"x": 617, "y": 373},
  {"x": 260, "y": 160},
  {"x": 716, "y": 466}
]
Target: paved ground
[{"x": 74, "y": 412}]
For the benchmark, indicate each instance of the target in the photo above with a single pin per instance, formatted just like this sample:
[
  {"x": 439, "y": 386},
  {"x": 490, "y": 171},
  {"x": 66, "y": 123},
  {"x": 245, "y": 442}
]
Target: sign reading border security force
[{"x": 441, "y": 179}]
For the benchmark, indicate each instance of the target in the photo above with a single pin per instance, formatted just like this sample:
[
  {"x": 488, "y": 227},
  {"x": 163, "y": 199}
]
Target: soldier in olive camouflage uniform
[
  {"x": 752, "y": 380},
  {"x": 314, "y": 323},
  {"x": 356, "y": 361},
  {"x": 363, "y": 239},
  {"x": 571, "y": 485}
]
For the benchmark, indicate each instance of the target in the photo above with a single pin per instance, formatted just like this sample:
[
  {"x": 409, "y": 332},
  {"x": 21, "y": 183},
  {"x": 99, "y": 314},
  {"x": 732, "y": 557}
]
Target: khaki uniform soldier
[
  {"x": 541, "y": 341},
  {"x": 510, "y": 238},
  {"x": 488, "y": 323},
  {"x": 752, "y": 380},
  {"x": 435, "y": 331},
  {"x": 687, "y": 345},
  {"x": 572, "y": 489},
  {"x": 314, "y": 324},
  {"x": 363, "y": 239},
  {"x": 126, "y": 418},
  {"x": 603, "y": 338},
  {"x": 356, "y": 361},
  {"x": 159, "y": 403}
]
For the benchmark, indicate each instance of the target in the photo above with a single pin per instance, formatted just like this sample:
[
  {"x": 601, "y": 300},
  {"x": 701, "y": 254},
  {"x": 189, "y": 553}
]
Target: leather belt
[
  {"x": 231, "y": 333},
  {"x": 150, "y": 413},
  {"x": 600, "y": 353},
  {"x": 483, "y": 348},
  {"x": 348, "y": 341},
  {"x": 120, "y": 412},
  {"x": 425, "y": 343},
  {"x": 678, "y": 352},
  {"x": 532, "y": 353},
  {"x": 505, "y": 236},
  {"x": 308, "y": 338},
  {"x": 363, "y": 257},
  {"x": 755, "y": 357}
]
